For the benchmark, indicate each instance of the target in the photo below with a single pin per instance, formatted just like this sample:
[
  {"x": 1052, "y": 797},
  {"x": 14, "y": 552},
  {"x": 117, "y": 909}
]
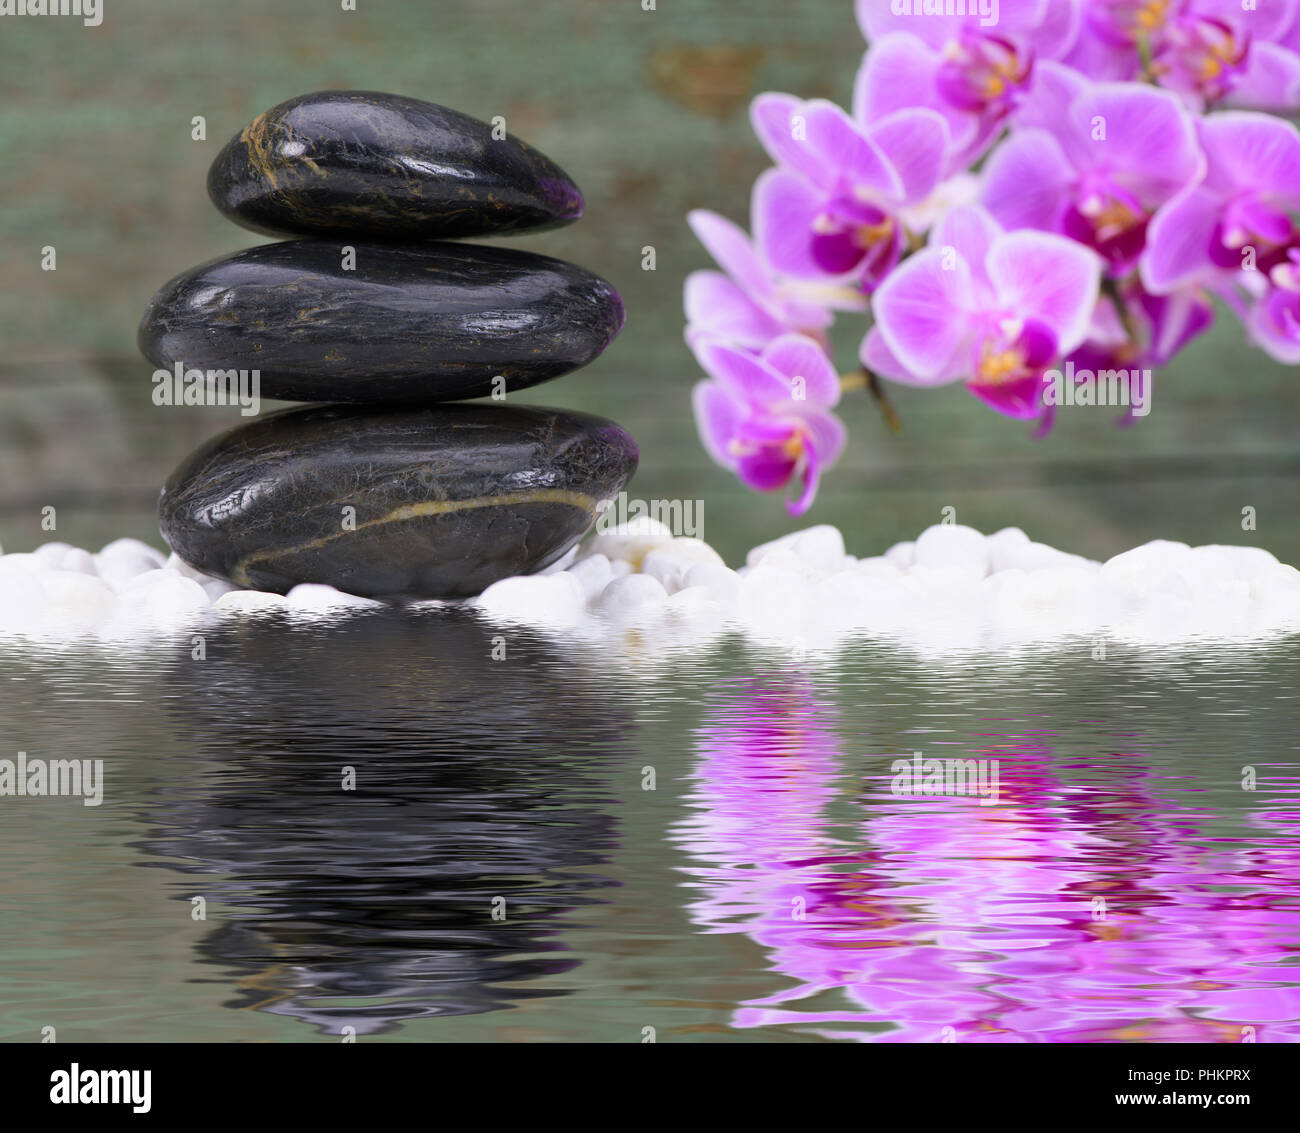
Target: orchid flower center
[
  {"x": 1254, "y": 227},
  {"x": 1013, "y": 352},
  {"x": 1108, "y": 219},
  {"x": 856, "y": 235},
  {"x": 1207, "y": 52},
  {"x": 1152, "y": 15},
  {"x": 770, "y": 450},
  {"x": 983, "y": 72},
  {"x": 1286, "y": 275},
  {"x": 1215, "y": 50}
]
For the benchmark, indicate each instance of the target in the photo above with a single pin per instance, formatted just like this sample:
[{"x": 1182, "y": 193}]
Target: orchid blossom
[
  {"x": 767, "y": 417},
  {"x": 989, "y": 308},
  {"x": 1028, "y": 186}
]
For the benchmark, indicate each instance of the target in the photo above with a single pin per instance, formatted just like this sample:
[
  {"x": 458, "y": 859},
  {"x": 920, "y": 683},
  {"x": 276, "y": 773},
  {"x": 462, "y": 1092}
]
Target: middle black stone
[{"x": 433, "y": 323}]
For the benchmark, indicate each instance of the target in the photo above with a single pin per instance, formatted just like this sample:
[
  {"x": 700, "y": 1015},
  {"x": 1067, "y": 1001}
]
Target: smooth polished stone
[
  {"x": 436, "y": 322},
  {"x": 386, "y": 167},
  {"x": 419, "y": 503}
]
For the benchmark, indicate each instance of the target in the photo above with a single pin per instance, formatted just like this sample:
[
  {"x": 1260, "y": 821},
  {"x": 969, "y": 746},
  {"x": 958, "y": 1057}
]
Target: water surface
[{"x": 400, "y": 833}]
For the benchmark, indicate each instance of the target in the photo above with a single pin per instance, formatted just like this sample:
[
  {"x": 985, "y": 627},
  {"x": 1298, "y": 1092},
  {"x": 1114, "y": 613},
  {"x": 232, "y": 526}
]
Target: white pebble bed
[{"x": 639, "y": 586}]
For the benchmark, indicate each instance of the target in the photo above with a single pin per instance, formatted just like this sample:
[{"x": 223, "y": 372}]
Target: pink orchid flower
[
  {"x": 832, "y": 209},
  {"x": 1208, "y": 51},
  {"x": 973, "y": 71},
  {"x": 1098, "y": 163},
  {"x": 990, "y": 308},
  {"x": 1235, "y": 231},
  {"x": 767, "y": 417},
  {"x": 747, "y": 303}
]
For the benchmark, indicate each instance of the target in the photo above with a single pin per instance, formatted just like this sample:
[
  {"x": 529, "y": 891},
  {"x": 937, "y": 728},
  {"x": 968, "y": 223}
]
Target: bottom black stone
[{"x": 401, "y": 504}]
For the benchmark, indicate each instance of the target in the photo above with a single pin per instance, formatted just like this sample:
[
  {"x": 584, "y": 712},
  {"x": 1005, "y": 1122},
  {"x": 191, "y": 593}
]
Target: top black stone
[{"x": 385, "y": 167}]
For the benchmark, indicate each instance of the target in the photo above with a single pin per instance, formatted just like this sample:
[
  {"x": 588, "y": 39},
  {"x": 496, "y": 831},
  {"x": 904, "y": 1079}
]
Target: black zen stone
[
  {"x": 378, "y": 165},
  {"x": 403, "y": 504},
  {"x": 435, "y": 322}
]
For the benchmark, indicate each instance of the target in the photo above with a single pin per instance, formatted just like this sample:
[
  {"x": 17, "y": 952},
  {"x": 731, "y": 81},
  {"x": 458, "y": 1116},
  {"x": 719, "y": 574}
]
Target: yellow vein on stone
[{"x": 578, "y": 500}]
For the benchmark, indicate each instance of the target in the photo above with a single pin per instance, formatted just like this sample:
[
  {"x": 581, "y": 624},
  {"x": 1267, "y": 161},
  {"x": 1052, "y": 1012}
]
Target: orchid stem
[
  {"x": 865, "y": 379},
  {"x": 1115, "y": 293},
  {"x": 1144, "y": 54}
]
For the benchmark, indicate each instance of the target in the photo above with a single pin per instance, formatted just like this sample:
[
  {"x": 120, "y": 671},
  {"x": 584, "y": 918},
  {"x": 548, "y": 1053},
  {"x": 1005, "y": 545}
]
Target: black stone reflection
[{"x": 476, "y": 779}]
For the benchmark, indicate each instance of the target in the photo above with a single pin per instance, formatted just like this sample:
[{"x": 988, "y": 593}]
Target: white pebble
[
  {"x": 77, "y": 599},
  {"x": 250, "y": 602},
  {"x": 633, "y": 596},
  {"x": 900, "y": 554},
  {"x": 124, "y": 559},
  {"x": 722, "y": 583},
  {"x": 950, "y": 545},
  {"x": 593, "y": 574},
  {"x": 23, "y": 563},
  {"x": 545, "y": 599},
  {"x": 878, "y": 567},
  {"x": 628, "y": 542},
  {"x": 1232, "y": 562},
  {"x": 51, "y": 554},
  {"x": 158, "y": 601},
  {"x": 670, "y": 562},
  {"x": 820, "y": 547},
  {"x": 22, "y": 598},
  {"x": 312, "y": 597},
  {"x": 78, "y": 561}
]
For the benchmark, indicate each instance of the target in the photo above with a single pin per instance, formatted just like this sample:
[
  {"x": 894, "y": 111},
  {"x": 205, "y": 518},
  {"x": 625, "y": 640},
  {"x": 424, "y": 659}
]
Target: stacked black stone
[{"x": 394, "y": 494}]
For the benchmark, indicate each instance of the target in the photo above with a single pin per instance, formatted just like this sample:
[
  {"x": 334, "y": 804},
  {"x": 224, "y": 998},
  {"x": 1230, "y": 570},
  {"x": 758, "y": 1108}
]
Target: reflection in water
[
  {"x": 473, "y": 783},
  {"x": 1124, "y": 888},
  {"x": 1081, "y": 908}
]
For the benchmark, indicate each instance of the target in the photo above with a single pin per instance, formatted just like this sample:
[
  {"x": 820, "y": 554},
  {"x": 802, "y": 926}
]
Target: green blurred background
[{"x": 647, "y": 111}]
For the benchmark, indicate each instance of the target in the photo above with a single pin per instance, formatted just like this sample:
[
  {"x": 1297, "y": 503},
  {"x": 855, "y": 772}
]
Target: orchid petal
[
  {"x": 1138, "y": 134},
  {"x": 970, "y": 231},
  {"x": 797, "y": 355},
  {"x": 1026, "y": 181},
  {"x": 1021, "y": 399},
  {"x": 1047, "y": 103},
  {"x": 717, "y": 416},
  {"x": 716, "y": 306},
  {"x": 857, "y": 162},
  {"x": 1178, "y": 241},
  {"x": 786, "y": 211},
  {"x": 899, "y": 73},
  {"x": 875, "y": 355},
  {"x": 1270, "y": 81},
  {"x": 744, "y": 376},
  {"x": 915, "y": 142},
  {"x": 1039, "y": 275},
  {"x": 773, "y": 118},
  {"x": 728, "y": 244},
  {"x": 922, "y": 311},
  {"x": 1248, "y": 150}
]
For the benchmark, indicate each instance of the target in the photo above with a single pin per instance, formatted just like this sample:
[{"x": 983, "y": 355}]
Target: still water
[{"x": 398, "y": 834}]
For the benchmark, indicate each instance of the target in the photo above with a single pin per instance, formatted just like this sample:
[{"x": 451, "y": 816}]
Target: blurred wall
[{"x": 647, "y": 110}]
